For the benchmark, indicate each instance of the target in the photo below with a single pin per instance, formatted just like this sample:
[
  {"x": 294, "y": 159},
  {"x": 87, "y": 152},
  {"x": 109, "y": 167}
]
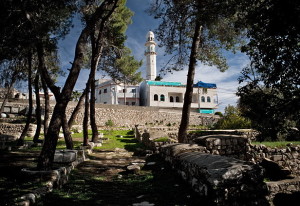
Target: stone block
[
  {"x": 7, "y": 109},
  {"x": 211, "y": 175},
  {"x": 65, "y": 156},
  {"x": 15, "y": 110},
  {"x": 177, "y": 148}
]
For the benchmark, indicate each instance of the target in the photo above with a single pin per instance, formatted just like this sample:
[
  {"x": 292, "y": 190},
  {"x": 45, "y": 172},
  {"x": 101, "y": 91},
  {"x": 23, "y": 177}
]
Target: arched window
[
  {"x": 155, "y": 97},
  {"x": 177, "y": 99},
  {"x": 171, "y": 99},
  {"x": 202, "y": 99},
  {"x": 162, "y": 98},
  {"x": 100, "y": 91},
  {"x": 208, "y": 99}
]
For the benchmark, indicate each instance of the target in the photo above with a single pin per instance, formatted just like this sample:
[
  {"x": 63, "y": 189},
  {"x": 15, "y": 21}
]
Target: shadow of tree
[
  {"x": 282, "y": 199},
  {"x": 156, "y": 184}
]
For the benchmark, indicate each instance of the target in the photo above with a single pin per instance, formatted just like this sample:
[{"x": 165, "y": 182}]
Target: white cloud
[{"x": 226, "y": 81}]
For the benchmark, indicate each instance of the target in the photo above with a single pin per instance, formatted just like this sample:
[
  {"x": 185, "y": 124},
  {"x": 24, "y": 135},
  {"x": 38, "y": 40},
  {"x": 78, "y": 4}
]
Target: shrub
[
  {"x": 109, "y": 123},
  {"x": 232, "y": 119}
]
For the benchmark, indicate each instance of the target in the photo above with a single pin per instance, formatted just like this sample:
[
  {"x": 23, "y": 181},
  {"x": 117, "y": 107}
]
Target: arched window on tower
[
  {"x": 208, "y": 99},
  {"x": 177, "y": 99},
  {"x": 202, "y": 99},
  {"x": 162, "y": 98},
  {"x": 155, "y": 97},
  {"x": 171, "y": 99}
]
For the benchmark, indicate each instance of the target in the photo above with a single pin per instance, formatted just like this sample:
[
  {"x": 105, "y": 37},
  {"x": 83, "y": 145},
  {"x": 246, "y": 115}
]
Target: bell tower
[{"x": 150, "y": 54}]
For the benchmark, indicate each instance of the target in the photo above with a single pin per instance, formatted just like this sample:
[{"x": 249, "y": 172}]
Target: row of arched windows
[
  {"x": 172, "y": 99},
  {"x": 162, "y": 98},
  {"x": 203, "y": 99}
]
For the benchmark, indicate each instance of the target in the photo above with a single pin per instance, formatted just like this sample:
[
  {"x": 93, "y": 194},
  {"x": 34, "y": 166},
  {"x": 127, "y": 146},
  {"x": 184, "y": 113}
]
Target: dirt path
[{"x": 104, "y": 180}]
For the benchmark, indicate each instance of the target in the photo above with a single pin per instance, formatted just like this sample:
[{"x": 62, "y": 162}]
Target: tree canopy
[
  {"x": 191, "y": 31},
  {"x": 272, "y": 91}
]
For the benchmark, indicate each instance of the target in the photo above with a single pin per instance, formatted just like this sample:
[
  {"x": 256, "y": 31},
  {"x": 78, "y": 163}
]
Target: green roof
[{"x": 159, "y": 83}]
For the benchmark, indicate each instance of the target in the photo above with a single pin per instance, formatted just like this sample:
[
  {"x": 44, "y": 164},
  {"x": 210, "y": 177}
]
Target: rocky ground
[
  {"x": 115, "y": 178},
  {"x": 109, "y": 177}
]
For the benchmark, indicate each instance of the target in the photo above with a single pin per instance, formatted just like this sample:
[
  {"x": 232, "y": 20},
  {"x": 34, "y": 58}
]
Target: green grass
[
  {"x": 127, "y": 141},
  {"x": 161, "y": 139},
  {"x": 278, "y": 144}
]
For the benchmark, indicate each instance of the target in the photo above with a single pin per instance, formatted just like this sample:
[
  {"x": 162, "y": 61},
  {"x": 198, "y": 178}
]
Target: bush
[
  {"x": 109, "y": 123},
  {"x": 232, "y": 119},
  {"x": 219, "y": 114}
]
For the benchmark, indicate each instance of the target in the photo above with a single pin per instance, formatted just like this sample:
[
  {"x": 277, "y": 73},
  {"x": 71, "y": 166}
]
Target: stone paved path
[{"x": 104, "y": 180}]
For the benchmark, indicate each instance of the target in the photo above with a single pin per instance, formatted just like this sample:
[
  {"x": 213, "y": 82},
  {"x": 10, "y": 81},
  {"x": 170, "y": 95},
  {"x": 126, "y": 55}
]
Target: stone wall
[
  {"x": 224, "y": 180},
  {"x": 284, "y": 191},
  {"x": 247, "y": 133},
  {"x": 280, "y": 166},
  {"x": 288, "y": 158},
  {"x": 226, "y": 145},
  {"x": 6, "y": 128},
  {"x": 129, "y": 116}
]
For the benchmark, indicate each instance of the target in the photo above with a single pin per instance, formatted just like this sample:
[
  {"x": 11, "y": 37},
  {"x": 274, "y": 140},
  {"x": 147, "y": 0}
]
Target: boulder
[
  {"x": 274, "y": 171},
  {"x": 133, "y": 169}
]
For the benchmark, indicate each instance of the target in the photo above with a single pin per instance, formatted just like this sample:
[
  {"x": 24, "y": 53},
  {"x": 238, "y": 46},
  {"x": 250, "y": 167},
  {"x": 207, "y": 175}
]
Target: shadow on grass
[{"x": 156, "y": 184}]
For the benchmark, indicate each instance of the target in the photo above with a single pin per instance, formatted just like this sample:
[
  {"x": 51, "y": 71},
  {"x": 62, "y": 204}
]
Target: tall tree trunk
[
  {"x": 13, "y": 80},
  {"x": 38, "y": 109},
  {"x": 47, "y": 106},
  {"x": 94, "y": 127},
  {"x": 67, "y": 133},
  {"x": 85, "y": 125},
  {"x": 185, "y": 118},
  {"x": 62, "y": 98},
  {"x": 29, "y": 115},
  {"x": 77, "y": 109}
]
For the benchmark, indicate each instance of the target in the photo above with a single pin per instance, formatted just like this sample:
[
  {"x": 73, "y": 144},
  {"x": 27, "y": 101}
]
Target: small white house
[{"x": 110, "y": 92}]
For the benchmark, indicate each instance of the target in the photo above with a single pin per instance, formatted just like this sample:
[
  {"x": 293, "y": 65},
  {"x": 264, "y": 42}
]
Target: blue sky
[{"x": 136, "y": 36}]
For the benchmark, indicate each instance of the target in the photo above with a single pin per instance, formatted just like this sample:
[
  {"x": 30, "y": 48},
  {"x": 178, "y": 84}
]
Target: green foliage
[
  {"x": 34, "y": 20},
  {"x": 177, "y": 28},
  {"x": 115, "y": 141},
  {"x": 267, "y": 110},
  {"x": 161, "y": 139},
  {"x": 76, "y": 95},
  {"x": 109, "y": 123},
  {"x": 278, "y": 144},
  {"x": 219, "y": 114},
  {"x": 232, "y": 119},
  {"x": 273, "y": 47}
]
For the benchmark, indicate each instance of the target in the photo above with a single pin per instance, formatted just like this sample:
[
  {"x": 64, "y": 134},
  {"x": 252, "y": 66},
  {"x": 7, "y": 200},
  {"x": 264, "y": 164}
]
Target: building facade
[
  {"x": 110, "y": 92},
  {"x": 156, "y": 93},
  {"x": 171, "y": 95}
]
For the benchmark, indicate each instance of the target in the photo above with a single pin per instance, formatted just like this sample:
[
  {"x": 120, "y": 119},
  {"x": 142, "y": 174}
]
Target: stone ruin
[{"x": 228, "y": 169}]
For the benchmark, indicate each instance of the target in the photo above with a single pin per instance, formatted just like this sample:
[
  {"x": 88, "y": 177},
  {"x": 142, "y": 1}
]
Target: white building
[
  {"x": 156, "y": 93},
  {"x": 109, "y": 92},
  {"x": 171, "y": 94}
]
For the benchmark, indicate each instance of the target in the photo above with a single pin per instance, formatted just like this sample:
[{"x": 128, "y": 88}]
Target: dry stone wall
[
  {"x": 128, "y": 116},
  {"x": 288, "y": 158},
  {"x": 189, "y": 162},
  {"x": 6, "y": 128},
  {"x": 224, "y": 180}
]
